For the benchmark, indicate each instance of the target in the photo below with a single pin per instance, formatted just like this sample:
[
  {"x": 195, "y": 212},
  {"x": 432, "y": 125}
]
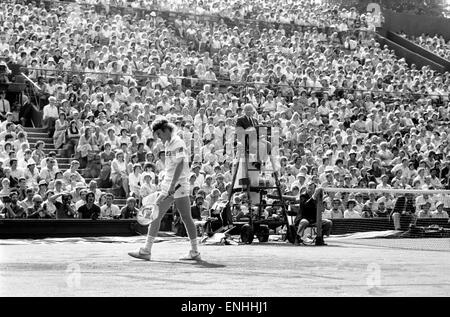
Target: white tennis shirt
[{"x": 176, "y": 152}]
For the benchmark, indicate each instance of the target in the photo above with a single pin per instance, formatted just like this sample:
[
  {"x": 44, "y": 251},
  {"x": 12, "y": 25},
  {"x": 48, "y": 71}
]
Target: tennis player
[{"x": 174, "y": 187}]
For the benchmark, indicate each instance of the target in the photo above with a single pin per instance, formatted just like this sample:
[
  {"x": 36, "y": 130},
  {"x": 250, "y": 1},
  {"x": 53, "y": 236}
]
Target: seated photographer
[
  {"x": 64, "y": 207},
  {"x": 39, "y": 211},
  {"x": 12, "y": 209}
]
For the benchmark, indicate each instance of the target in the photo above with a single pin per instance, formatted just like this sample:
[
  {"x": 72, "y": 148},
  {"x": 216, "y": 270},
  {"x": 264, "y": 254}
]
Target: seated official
[{"x": 308, "y": 213}]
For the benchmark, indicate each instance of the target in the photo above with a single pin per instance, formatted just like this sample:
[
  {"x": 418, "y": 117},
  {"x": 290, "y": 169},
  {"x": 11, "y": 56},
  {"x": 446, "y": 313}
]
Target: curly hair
[{"x": 162, "y": 124}]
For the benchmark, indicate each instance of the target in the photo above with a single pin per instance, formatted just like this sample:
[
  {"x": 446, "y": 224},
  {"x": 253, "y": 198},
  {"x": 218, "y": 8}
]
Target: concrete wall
[
  {"x": 410, "y": 56},
  {"x": 418, "y": 49}
]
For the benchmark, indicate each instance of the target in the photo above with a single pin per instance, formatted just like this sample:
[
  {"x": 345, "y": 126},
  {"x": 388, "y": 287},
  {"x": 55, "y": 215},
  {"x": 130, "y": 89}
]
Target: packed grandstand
[{"x": 349, "y": 112}]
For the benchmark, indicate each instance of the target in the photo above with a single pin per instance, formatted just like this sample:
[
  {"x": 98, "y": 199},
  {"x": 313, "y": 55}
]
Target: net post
[{"x": 319, "y": 210}]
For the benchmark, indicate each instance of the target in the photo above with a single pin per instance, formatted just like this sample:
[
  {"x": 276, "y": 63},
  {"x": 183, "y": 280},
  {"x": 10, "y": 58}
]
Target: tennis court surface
[{"x": 349, "y": 266}]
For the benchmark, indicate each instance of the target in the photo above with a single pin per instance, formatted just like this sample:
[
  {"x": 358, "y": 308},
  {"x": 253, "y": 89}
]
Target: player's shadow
[
  {"x": 204, "y": 264},
  {"x": 209, "y": 265}
]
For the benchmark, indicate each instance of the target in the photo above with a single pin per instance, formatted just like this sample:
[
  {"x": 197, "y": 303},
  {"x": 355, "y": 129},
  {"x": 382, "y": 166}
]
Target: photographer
[
  {"x": 38, "y": 211},
  {"x": 64, "y": 206},
  {"x": 12, "y": 209}
]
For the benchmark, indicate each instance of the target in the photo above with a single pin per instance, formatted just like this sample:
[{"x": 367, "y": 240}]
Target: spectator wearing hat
[
  {"x": 200, "y": 177},
  {"x": 439, "y": 213},
  {"x": 31, "y": 174},
  {"x": 89, "y": 210},
  {"x": 42, "y": 188}
]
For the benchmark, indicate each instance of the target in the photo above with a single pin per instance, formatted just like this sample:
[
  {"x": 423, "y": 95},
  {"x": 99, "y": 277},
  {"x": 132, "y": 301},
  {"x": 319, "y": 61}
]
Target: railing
[
  {"x": 219, "y": 83},
  {"x": 225, "y": 83}
]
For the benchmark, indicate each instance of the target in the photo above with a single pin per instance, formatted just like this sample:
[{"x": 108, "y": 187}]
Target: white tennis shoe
[
  {"x": 141, "y": 254},
  {"x": 192, "y": 256}
]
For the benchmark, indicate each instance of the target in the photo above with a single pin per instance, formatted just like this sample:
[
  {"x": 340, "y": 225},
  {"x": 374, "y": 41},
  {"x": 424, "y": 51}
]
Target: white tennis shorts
[{"x": 182, "y": 191}]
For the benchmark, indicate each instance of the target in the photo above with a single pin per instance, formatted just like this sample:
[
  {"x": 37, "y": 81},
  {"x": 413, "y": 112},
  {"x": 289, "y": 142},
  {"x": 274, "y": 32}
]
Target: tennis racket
[{"x": 150, "y": 209}]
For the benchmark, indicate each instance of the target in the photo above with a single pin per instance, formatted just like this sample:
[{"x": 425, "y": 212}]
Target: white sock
[
  {"x": 149, "y": 243},
  {"x": 194, "y": 245}
]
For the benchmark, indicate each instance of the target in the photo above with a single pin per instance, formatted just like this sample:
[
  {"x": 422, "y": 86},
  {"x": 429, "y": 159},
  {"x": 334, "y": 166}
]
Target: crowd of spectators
[
  {"x": 303, "y": 12},
  {"x": 436, "y": 44},
  {"x": 348, "y": 111},
  {"x": 418, "y": 7}
]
